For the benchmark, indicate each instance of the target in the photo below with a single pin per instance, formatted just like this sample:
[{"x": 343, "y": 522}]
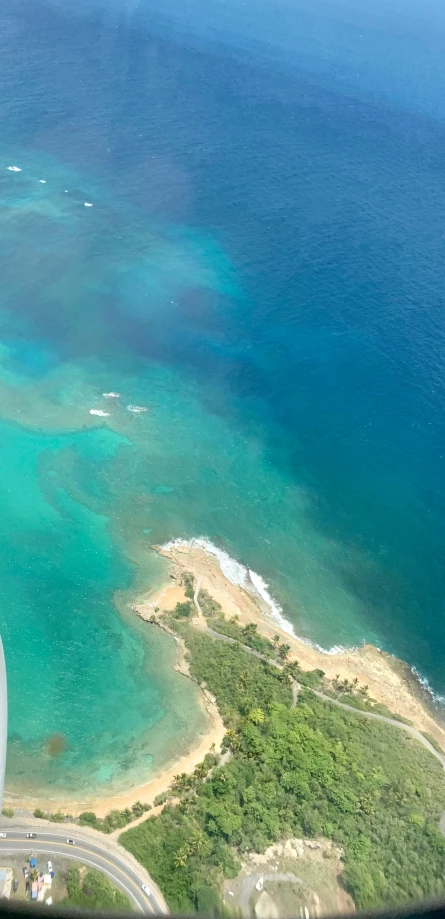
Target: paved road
[
  {"x": 348, "y": 708},
  {"x": 88, "y": 852}
]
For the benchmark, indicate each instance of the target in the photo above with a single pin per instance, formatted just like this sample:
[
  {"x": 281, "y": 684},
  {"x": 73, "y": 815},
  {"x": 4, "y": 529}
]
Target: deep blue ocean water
[{"x": 263, "y": 266}]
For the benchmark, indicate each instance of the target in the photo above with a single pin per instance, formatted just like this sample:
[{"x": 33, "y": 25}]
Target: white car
[
  {"x": 2, "y": 835},
  {"x": 50, "y": 865},
  {"x": 146, "y": 889}
]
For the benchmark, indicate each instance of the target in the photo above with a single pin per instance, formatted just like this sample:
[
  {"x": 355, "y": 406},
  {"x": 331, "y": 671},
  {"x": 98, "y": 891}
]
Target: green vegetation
[
  {"x": 247, "y": 635},
  {"x": 115, "y": 820},
  {"x": 183, "y": 610},
  {"x": 358, "y": 698},
  {"x": 210, "y": 608},
  {"x": 188, "y": 581},
  {"x": 58, "y": 817},
  {"x": 311, "y": 679},
  {"x": 93, "y": 892},
  {"x": 432, "y": 740},
  {"x": 8, "y": 811},
  {"x": 305, "y": 771}
]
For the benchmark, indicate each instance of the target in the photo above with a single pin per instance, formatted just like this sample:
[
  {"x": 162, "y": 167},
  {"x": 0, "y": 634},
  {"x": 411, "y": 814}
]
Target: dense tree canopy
[{"x": 304, "y": 771}]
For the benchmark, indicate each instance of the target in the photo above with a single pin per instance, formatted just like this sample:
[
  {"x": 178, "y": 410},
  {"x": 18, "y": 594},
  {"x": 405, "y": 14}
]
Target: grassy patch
[
  {"x": 432, "y": 740},
  {"x": 93, "y": 891}
]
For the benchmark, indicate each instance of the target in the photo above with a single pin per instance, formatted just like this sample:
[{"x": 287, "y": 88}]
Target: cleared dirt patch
[{"x": 298, "y": 878}]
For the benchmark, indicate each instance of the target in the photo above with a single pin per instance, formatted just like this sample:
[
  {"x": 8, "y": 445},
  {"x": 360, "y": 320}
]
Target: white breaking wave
[
  {"x": 98, "y": 411},
  {"x": 14, "y": 168},
  {"x": 42, "y": 181},
  {"x": 436, "y": 697},
  {"x": 111, "y": 395},
  {"x": 239, "y": 575},
  {"x": 137, "y": 409},
  {"x": 87, "y": 204}
]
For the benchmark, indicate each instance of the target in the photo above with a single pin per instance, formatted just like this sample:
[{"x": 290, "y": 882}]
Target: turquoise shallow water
[
  {"x": 77, "y": 669},
  {"x": 262, "y": 269}
]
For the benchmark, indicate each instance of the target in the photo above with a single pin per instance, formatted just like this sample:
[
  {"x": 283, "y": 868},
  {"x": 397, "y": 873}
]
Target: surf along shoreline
[{"x": 243, "y": 594}]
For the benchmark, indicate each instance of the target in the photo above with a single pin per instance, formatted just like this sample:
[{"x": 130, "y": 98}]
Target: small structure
[
  {"x": 32, "y": 863},
  {"x": 6, "y": 879}
]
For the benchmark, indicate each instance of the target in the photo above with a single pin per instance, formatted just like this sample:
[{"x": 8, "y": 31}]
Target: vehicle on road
[
  {"x": 2, "y": 835},
  {"x": 50, "y": 865},
  {"x": 31, "y": 835},
  {"x": 146, "y": 889},
  {"x": 71, "y": 842},
  {"x": 25, "y": 872}
]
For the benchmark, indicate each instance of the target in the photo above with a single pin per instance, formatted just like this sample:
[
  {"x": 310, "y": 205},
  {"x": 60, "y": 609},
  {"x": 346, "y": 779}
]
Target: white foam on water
[
  {"x": 14, "y": 168},
  {"x": 137, "y": 409},
  {"x": 111, "y": 395},
  {"x": 42, "y": 181},
  {"x": 436, "y": 697},
  {"x": 239, "y": 575},
  {"x": 262, "y": 589},
  {"x": 87, "y": 204},
  {"x": 98, "y": 411}
]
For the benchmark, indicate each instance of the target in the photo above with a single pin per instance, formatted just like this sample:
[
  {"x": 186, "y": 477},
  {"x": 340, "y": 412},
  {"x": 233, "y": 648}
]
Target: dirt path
[
  {"x": 392, "y": 721},
  {"x": 248, "y": 887},
  {"x": 348, "y": 708}
]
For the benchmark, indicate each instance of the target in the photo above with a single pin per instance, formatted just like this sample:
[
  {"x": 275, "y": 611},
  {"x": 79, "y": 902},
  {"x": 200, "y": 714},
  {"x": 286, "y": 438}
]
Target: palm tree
[
  {"x": 181, "y": 857},
  {"x": 181, "y": 782},
  {"x": 234, "y": 740},
  {"x": 256, "y": 716},
  {"x": 200, "y": 771},
  {"x": 250, "y": 630}
]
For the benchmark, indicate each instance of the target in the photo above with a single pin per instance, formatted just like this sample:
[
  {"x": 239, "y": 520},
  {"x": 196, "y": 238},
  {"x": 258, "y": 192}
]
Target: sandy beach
[
  {"x": 210, "y": 739},
  {"x": 185, "y": 763}
]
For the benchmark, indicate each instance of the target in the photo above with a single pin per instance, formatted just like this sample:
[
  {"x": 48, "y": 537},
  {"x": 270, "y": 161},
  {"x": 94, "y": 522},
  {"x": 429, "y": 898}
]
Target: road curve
[
  {"x": 408, "y": 728},
  {"x": 53, "y": 842}
]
